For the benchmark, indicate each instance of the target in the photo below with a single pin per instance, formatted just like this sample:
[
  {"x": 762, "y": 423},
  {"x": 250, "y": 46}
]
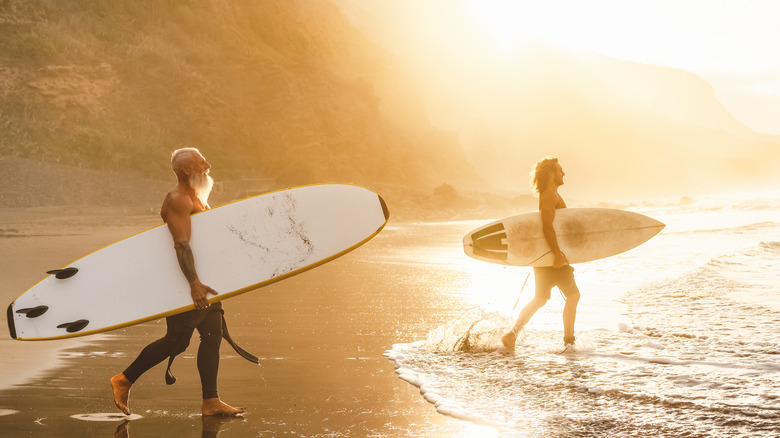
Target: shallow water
[{"x": 677, "y": 337}]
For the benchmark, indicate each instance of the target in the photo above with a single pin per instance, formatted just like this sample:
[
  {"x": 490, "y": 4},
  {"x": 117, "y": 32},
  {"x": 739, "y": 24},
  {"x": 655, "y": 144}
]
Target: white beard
[{"x": 202, "y": 184}]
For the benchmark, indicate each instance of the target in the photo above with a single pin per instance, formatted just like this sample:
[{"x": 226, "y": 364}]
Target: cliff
[{"x": 286, "y": 89}]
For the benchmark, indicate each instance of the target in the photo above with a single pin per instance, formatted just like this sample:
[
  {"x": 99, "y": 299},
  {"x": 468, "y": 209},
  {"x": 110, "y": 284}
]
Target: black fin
[
  {"x": 63, "y": 273},
  {"x": 33, "y": 312},
  {"x": 72, "y": 327}
]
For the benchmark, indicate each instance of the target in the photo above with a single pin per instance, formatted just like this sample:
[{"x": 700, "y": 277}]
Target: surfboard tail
[
  {"x": 10, "y": 318},
  {"x": 488, "y": 243}
]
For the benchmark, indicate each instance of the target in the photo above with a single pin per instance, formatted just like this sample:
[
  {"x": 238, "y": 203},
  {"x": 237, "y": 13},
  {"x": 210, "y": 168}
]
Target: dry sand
[{"x": 320, "y": 336}]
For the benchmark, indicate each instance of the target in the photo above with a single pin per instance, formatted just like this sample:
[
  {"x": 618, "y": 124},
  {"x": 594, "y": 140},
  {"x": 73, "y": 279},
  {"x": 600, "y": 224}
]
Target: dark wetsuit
[{"x": 210, "y": 323}]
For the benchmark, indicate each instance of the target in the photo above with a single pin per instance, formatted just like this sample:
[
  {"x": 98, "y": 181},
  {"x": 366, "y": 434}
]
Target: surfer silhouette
[
  {"x": 547, "y": 177},
  {"x": 189, "y": 196}
]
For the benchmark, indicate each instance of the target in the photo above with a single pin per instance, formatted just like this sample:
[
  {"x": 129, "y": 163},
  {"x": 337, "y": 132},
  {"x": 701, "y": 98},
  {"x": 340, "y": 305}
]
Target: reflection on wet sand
[{"x": 211, "y": 426}]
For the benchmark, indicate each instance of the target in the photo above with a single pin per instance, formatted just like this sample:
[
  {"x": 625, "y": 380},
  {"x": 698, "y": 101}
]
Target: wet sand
[{"x": 320, "y": 335}]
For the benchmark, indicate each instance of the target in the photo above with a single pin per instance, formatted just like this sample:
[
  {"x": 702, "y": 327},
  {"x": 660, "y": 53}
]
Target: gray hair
[{"x": 180, "y": 156}]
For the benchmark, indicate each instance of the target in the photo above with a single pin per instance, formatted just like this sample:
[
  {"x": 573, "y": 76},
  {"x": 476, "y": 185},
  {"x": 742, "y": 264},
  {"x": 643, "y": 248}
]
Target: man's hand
[
  {"x": 200, "y": 294},
  {"x": 560, "y": 260}
]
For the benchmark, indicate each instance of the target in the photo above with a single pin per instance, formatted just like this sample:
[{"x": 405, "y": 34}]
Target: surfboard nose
[{"x": 657, "y": 224}]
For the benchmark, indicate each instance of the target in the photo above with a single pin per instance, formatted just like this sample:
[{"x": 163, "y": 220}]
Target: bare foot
[
  {"x": 509, "y": 340},
  {"x": 215, "y": 406},
  {"x": 121, "y": 387}
]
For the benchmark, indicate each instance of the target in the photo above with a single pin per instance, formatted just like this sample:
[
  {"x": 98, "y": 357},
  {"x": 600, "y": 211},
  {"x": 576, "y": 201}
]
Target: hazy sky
[
  {"x": 732, "y": 44},
  {"x": 697, "y": 35}
]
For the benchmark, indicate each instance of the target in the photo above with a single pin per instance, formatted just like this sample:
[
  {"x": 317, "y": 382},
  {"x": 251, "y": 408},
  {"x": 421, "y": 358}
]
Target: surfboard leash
[{"x": 521, "y": 290}]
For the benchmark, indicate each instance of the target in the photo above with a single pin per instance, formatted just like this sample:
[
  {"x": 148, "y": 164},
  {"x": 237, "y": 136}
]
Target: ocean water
[{"x": 679, "y": 337}]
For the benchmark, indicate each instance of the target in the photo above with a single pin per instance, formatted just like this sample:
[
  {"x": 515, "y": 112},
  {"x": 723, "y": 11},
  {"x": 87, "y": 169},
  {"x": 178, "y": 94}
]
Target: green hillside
[{"x": 275, "y": 89}]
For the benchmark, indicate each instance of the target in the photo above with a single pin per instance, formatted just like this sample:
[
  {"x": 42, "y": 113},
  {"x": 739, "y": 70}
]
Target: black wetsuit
[{"x": 210, "y": 323}]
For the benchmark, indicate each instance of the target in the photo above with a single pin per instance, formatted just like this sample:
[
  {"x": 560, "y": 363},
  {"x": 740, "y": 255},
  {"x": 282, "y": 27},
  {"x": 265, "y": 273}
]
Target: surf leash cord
[{"x": 521, "y": 290}]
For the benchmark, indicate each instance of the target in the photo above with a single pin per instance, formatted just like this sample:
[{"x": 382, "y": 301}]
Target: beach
[
  {"x": 674, "y": 337},
  {"x": 458, "y": 114},
  {"x": 677, "y": 337},
  {"x": 320, "y": 337}
]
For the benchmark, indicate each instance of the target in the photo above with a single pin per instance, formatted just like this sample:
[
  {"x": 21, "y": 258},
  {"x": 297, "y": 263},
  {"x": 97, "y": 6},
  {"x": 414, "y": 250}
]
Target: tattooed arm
[{"x": 176, "y": 211}]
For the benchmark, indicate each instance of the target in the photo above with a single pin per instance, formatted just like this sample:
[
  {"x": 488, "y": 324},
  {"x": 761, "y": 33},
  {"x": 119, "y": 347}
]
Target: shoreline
[
  {"x": 52, "y": 237},
  {"x": 322, "y": 365},
  {"x": 322, "y": 337}
]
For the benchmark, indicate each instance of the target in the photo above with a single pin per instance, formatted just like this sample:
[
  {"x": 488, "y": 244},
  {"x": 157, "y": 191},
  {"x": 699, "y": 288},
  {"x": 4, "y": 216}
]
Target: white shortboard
[
  {"x": 583, "y": 234},
  {"x": 237, "y": 247}
]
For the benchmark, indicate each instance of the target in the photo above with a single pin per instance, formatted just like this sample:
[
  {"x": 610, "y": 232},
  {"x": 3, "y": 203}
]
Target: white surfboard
[
  {"x": 584, "y": 234},
  {"x": 237, "y": 247}
]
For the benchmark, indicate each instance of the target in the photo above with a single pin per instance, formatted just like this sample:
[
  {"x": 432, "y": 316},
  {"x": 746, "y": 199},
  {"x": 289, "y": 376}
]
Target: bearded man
[{"x": 189, "y": 196}]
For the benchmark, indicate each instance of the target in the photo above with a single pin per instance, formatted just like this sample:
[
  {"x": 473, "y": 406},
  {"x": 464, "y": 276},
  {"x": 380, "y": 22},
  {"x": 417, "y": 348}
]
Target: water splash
[{"x": 474, "y": 331}]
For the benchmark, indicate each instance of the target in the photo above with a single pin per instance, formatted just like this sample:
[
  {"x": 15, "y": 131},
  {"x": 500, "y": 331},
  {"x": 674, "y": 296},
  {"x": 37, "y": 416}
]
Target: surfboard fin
[
  {"x": 73, "y": 327},
  {"x": 33, "y": 312},
  {"x": 491, "y": 243},
  {"x": 63, "y": 273}
]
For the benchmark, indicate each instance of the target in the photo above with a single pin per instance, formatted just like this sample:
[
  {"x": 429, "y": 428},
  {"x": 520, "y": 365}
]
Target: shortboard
[
  {"x": 584, "y": 234},
  {"x": 237, "y": 247}
]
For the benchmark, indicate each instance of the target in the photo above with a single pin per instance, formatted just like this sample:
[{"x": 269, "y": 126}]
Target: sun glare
[
  {"x": 501, "y": 19},
  {"x": 471, "y": 430},
  {"x": 512, "y": 24}
]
